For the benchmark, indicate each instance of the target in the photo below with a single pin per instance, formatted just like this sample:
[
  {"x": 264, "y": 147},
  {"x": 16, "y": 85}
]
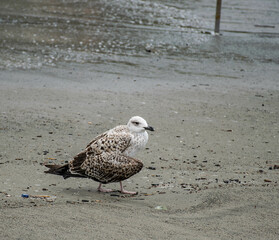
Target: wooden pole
[{"x": 218, "y": 16}]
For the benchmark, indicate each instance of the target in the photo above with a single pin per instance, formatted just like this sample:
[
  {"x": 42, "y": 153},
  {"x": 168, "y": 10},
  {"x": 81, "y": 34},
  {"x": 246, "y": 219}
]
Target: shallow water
[{"x": 37, "y": 33}]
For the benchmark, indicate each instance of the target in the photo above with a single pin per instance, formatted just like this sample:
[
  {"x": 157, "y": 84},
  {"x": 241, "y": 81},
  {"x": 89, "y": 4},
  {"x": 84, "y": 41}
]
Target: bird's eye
[{"x": 136, "y": 123}]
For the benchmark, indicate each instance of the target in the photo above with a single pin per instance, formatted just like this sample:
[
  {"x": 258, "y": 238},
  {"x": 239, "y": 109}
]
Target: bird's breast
[{"x": 138, "y": 142}]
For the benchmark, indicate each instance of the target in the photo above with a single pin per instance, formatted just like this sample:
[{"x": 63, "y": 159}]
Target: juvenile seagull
[{"x": 109, "y": 157}]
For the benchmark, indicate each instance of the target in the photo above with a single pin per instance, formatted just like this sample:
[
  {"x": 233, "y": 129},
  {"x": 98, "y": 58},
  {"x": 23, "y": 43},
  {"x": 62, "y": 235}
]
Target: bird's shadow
[{"x": 92, "y": 193}]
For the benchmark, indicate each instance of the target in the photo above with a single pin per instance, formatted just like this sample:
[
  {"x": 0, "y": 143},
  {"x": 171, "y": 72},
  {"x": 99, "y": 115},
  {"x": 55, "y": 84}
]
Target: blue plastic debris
[{"x": 25, "y": 195}]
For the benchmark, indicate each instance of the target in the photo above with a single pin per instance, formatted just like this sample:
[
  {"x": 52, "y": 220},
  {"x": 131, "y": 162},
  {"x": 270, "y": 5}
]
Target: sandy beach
[{"x": 210, "y": 168}]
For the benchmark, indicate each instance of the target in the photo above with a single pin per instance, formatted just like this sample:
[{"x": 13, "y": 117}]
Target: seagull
[{"x": 109, "y": 157}]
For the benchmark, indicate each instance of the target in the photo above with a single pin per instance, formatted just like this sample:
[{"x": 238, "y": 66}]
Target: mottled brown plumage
[{"x": 109, "y": 157}]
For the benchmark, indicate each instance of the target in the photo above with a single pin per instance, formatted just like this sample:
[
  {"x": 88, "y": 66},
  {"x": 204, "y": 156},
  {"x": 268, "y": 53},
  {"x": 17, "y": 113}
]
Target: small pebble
[
  {"x": 114, "y": 195},
  {"x": 155, "y": 184}
]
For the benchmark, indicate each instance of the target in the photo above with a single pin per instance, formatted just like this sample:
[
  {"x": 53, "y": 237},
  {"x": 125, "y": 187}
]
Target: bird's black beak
[{"x": 149, "y": 128}]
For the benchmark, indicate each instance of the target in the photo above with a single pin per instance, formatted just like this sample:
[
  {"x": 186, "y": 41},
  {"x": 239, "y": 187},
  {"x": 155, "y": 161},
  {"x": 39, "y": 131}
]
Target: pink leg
[
  {"x": 124, "y": 191},
  {"x": 100, "y": 189}
]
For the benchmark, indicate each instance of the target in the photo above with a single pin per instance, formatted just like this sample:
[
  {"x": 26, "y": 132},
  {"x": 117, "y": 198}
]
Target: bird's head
[{"x": 138, "y": 124}]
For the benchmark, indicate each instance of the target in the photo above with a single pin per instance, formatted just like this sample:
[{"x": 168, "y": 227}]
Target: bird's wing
[
  {"x": 110, "y": 167},
  {"x": 108, "y": 142},
  {"x": 116, "y": 130},
  {"x": 97, "y": 138}
]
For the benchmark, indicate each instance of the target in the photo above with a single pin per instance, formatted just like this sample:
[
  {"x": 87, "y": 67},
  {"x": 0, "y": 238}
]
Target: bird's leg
[
  {"x": 124, "y": 191},
  {"x": 100, "y": 189}
]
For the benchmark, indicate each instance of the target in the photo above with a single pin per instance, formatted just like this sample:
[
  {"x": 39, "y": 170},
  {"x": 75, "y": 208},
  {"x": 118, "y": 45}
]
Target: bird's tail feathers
[
  {"x": 62, "y": 170},
  {"x": 58, "y": 169}
]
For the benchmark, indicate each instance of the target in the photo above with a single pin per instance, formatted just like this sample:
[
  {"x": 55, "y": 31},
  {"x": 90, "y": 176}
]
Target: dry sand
[{"x": 210, "y": 166}]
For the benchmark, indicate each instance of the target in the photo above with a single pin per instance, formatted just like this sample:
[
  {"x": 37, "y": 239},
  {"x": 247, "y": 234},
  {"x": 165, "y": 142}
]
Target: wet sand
[{"x": 211, "y": 166}]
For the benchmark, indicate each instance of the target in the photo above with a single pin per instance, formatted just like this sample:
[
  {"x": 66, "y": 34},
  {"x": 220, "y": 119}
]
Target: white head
[{"x": 138, "y": 124}]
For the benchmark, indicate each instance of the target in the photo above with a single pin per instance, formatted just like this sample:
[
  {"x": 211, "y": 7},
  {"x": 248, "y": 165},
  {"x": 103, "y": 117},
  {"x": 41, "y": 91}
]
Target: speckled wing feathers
[
  {"x": 103, "y": 159},
  {"x": 110, "y": 143},
  {"x": 107, "y": 168}
]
